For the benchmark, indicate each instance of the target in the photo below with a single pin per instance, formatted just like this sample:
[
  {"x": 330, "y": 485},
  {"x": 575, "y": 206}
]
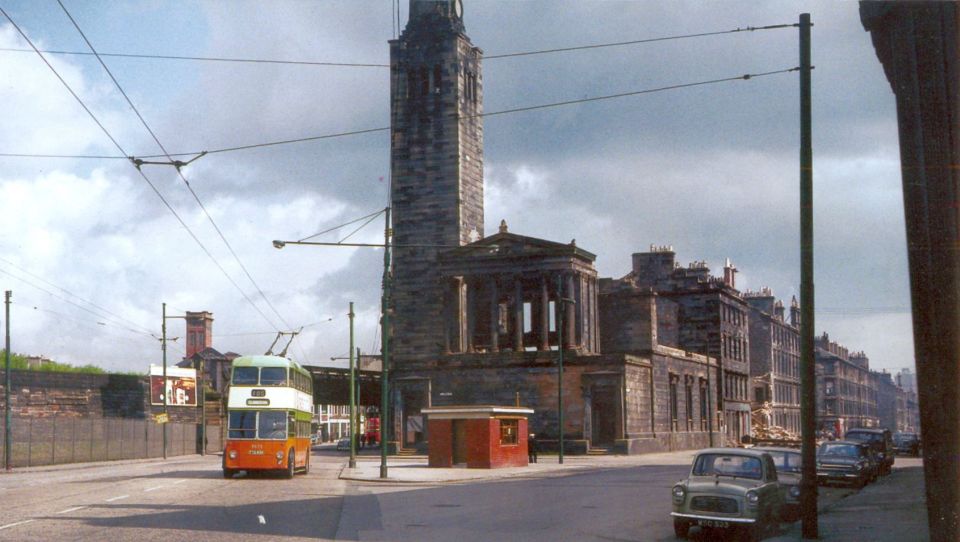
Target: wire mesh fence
[{"x": 57, "y": 440}]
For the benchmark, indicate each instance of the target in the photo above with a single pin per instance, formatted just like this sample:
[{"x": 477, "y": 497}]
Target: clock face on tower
[{"x": 457, "y": 8}]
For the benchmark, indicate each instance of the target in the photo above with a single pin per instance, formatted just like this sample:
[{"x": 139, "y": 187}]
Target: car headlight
[
  {"x": 279, "y": 456},
  {"x": 233, "y": 454},
  {"x": 753, "y": 498},
  {"x": 795, "y": 492},
  {"x": 679, "y": 494},
  {"x": 858, "y": 466}
]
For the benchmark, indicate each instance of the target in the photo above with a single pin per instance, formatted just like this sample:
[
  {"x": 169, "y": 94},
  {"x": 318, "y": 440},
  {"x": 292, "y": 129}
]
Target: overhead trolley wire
[
  {"x": 179, "y": 172},
  {"x": 395, "y": 30},
  {"x": 142, "y": 174},
  {"x": 744, "y": 77},
  {"x": 71, "y": 294}
]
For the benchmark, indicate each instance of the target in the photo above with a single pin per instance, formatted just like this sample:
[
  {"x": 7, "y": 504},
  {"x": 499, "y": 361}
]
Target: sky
[{"x": 91, "y": 250}]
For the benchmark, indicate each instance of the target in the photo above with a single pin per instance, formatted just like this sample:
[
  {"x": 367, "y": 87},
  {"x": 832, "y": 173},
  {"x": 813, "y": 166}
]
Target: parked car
[
  {"x": 880, "y": 441},
  {"x": 846, "y": 461},
  {"x": 906, "y": 443},
  {"x": 728, "y": 488},
  {"x": 343, "y": 444},
  {"x": 314, "y": 439},
  {"x": 788, "y": 463}
]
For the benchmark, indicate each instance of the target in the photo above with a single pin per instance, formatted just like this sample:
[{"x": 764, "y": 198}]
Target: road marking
[
  {"x": 263, "y": 520},
  {"x": 178, "y": 482},
  {"x": 154, "y": 488},
  {"x": 111, "y": 499},
  {"x": 15, "y": 524},
  {"x": 74, "y": 509}
]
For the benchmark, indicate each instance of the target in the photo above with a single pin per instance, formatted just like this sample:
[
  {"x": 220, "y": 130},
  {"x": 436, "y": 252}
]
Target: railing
[{"x": 59, "y": 440}]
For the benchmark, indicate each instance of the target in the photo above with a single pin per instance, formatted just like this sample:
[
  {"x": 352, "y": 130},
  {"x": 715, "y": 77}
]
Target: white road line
[
  {"x": 15, "y": 524},
  {"x": 154, "y": 488},
  {"x": 74, "y": 509},
  {"x": 111, "y": 499},
  {"x": 178, "y": 482}
]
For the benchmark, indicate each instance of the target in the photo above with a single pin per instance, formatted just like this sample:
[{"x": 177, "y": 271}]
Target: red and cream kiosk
[{"x": 478, "y": 437}]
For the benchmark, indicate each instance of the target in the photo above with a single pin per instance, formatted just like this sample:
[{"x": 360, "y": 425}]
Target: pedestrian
[
  {"x": 532, "y": 448},
  {"x": 363, "y": 440}
]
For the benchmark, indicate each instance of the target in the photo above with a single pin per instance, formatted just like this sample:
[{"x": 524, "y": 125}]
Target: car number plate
[
  {"x": 713, "y": 523},
  {"x": 255, "y": 452}
]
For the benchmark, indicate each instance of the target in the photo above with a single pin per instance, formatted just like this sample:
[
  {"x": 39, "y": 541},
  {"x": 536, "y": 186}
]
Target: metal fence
[{"x": 56, "y": 440}]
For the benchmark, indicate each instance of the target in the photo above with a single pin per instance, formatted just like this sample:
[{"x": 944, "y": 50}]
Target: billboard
[{"x": 181, "y": 386}]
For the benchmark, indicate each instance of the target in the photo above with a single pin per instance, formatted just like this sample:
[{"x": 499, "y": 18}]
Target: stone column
[
  {"x": 518, "y": 314},
  {"x": 471, "y": 315},
  {"x": 494, "y": 316},
  {"x": 544, "y": 322}
]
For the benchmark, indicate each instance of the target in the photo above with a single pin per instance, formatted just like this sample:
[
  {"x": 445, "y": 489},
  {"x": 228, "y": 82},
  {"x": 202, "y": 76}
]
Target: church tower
[{"x": 437, "y": 167}]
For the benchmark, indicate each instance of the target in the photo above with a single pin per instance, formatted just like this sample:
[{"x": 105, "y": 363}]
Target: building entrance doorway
[{"x": 605, "y": 413}]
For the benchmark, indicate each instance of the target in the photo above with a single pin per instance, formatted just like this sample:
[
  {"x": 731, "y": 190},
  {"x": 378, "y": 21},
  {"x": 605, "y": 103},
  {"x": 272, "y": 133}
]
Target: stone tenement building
[
  {"x": 775, "y": 358},
  {"x": 846, "y": 393},
  {"x": 482, "y": 320},
  {"x": 702, "y": 313}
]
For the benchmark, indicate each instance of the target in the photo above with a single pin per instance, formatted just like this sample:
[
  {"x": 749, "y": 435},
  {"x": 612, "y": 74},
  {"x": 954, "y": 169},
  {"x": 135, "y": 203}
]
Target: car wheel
[
  {"x": 291, "y": 464},
  {"x": 681, "y": 527},
  {"x": 306, "y": 468},
  {"x": 228, "y": 473}
]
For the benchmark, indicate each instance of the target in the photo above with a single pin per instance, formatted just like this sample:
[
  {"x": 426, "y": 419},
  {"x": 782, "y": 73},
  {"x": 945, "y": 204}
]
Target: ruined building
[
  {"x": 482, "y": 320},
  {"x": 775, "y": 358}
]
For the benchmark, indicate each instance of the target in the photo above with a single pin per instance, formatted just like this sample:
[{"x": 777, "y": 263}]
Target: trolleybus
[{"x": 268, "y": 416}]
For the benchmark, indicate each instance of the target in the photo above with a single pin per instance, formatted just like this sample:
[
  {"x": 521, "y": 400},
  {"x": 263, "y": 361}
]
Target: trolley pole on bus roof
[{"x": 353, "y": 399}]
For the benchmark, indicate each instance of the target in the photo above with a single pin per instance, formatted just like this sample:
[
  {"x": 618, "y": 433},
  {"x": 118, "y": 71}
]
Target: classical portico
[{"x": 505, "y": 293}]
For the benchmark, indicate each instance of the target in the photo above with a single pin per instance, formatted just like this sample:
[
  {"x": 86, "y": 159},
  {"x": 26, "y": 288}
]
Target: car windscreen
[
  {"x": 864, "y": 437},
  {"x": 785, "y": 461},
  {"x": 245, "y": 375},
  {"x": 839, "y": 450},
  {"x": 739, "y": 466},
  {"x": 273, "y": 376}
]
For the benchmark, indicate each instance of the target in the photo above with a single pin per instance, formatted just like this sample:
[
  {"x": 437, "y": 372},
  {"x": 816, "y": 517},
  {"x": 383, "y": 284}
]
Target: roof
[
  {"x": 752, "y": 452},
  {"x": 266, "y": 361},
  {"x": 510, "y": 244}
]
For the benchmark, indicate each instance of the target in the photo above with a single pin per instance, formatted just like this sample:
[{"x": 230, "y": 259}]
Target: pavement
[{"x": 892, "y": 509}]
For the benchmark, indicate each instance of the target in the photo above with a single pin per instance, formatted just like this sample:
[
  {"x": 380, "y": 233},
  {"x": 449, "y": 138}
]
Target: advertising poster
[{"x": 181, "y": 386}]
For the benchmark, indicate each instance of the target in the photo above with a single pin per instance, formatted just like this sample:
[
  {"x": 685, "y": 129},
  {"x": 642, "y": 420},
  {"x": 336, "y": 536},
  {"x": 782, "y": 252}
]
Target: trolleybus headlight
[
  {"x": 233, "y": 454},
  {"x": 279, "y": 456}
]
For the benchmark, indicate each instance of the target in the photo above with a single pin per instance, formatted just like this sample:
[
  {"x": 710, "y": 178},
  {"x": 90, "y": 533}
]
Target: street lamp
[
  {"x": 561, "y": 306},
  {"x": 385, "y": 324}
]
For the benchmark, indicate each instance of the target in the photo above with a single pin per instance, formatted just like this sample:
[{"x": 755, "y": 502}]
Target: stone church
[{"x": 482, "y": 320}]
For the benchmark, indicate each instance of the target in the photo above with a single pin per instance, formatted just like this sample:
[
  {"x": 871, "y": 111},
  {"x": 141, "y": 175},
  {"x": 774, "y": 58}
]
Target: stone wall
[{"x": 36, "y": 394}]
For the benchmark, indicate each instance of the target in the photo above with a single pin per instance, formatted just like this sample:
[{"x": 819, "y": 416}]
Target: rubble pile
[{"x": 762, "y": 429}]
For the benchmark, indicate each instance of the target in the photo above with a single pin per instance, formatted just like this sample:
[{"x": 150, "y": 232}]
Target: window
[
  {"x": 673, "y": 402},
  {"x": 243, "y": 424},
  {"x": 689, "y": 397},
  {"x": 272, "y": 425},
  {"x": 703, "y": 405},
  {"x": 273, "y": 376},
  {"x": 437, "y": 78},
  {"x": 508, "y": 431},
  {"x": 245, "y": 375}
]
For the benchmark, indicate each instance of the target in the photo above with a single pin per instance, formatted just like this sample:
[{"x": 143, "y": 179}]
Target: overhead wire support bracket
[{"x": 137, "y": 162}]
